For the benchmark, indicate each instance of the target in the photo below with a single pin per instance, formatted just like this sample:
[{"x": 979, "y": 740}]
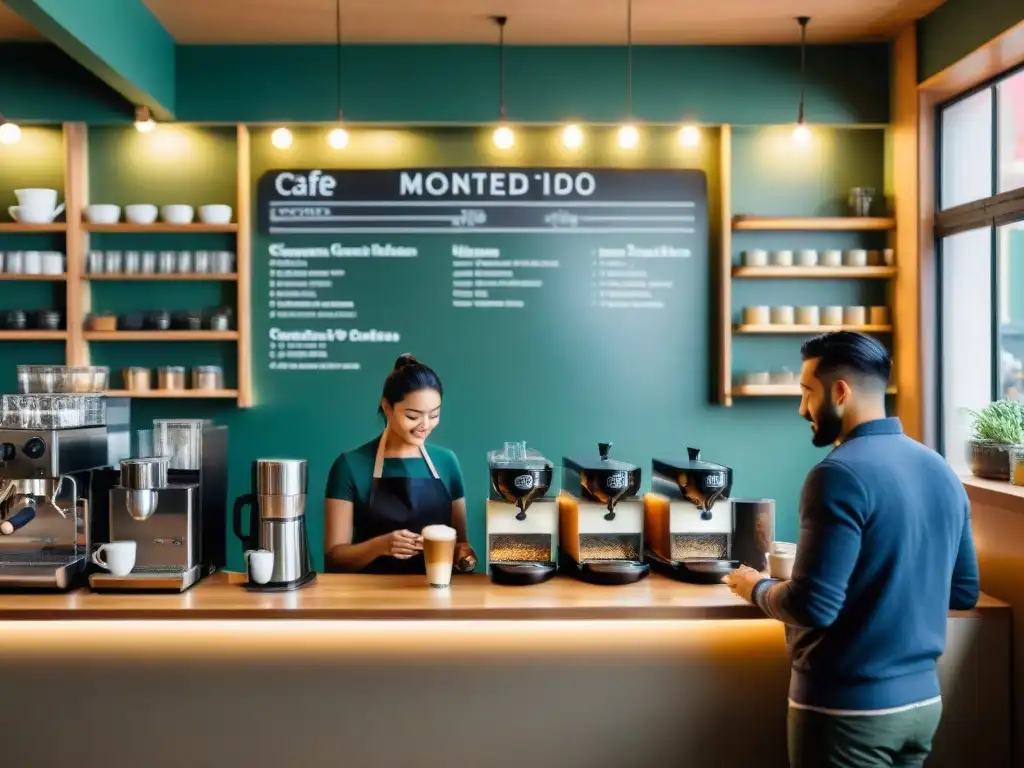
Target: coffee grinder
[
  {"x": 172, "y": 504},
  {"x": 688, "y": 537},
  {"x": 521, "y": 517},
  {"x": 601, "y": 519}
]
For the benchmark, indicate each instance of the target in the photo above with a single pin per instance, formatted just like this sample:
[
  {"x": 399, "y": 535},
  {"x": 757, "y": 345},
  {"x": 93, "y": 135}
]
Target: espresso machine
[
  {"x": 601, "y": 519},
  {"x": 172, "y": 504},
  {"x": 521, "y": 517},
  {"x": 50, "y": 446},
  {"x": 277, "y": 522}
]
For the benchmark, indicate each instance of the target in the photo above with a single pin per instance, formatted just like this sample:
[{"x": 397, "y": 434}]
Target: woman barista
[{"x": 383, "y": 493}]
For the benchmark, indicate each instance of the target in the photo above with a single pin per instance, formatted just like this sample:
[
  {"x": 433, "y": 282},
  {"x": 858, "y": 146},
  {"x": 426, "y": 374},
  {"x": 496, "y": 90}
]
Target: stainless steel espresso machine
[
  {"x": 172, "y": 505},
  {"x": 691, "y": 534},
  {"x": 277, "y": 522},
  {"x": 521, "y": 517},
  {"x": 49, "y": 446},
  {"x": 601, "y": 519}
]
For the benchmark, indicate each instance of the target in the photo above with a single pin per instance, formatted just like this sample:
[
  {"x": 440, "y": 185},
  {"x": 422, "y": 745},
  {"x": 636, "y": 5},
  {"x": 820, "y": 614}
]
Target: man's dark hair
[{"x": 846, "y": 354}]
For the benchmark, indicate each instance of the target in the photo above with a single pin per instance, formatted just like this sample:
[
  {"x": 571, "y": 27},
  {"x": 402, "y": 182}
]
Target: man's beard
[{"x": 828, "y": 424}]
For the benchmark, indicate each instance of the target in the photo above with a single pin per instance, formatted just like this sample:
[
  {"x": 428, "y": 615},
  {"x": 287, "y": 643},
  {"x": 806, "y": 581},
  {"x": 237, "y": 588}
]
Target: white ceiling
[{"x": 530, "y": 21}]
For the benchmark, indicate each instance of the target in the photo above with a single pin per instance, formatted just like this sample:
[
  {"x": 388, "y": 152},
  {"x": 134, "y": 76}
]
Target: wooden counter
[{"x": 357, "y": 597}]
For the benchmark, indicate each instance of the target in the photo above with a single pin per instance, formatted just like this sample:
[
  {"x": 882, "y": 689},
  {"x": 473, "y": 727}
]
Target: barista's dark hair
[
  {"x": 409, "y": 375},
  {"x": 850, "y": 355}
]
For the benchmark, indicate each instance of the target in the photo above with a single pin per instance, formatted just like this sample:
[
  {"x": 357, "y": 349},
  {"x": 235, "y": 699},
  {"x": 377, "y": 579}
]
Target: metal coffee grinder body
[{"x": 277, "y": 521}]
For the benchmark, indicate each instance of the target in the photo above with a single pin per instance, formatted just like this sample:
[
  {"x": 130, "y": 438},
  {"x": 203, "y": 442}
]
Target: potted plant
[{"x": 997, "y": 428}]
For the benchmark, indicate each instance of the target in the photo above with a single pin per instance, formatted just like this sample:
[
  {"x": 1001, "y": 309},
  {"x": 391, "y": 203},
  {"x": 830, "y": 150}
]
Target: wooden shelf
[
  {"x": 810, "y": 330},
  {"x": 813, "y": 224},
  {"x": 227, "y": 277},
  {"x": 33, "y": 335},
  {"x": 161, "y": 335},
  {"x": 828, "y": 273},
  {"x": 32, "y": 278},
  {"x": 774, "y": 390},
  {"x": 159, "y": 228},
  {"x": 13, "y": 226},
  {"x": 177, "y": 394}
]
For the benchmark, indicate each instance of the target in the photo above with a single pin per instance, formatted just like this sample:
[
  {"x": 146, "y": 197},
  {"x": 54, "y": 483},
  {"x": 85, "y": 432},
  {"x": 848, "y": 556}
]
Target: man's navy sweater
[{"x": 885, "y": 550}]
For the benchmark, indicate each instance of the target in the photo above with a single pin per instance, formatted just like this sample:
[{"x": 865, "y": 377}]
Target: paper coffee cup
[{"x": 439, "y": 554}]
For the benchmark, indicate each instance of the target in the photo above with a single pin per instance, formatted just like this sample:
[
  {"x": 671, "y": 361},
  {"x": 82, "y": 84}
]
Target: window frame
[{"x": 994, "y": 211}]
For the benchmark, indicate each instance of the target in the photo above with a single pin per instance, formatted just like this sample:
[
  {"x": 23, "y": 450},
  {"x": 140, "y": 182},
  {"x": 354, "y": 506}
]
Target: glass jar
[{"x": 1017, "y": 465}]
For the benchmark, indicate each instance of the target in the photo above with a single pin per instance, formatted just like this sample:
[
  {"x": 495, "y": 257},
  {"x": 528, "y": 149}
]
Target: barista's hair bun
[{"x": 405, "y": 361}]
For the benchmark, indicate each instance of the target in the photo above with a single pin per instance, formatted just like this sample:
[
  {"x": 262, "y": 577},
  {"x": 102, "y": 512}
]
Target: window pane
[
  {"x": 1011, "y": 309},
  {"x": 967, "y": 150},
  {"x": 966, "y": 368},
  {"x": 1011, "y": 132}
]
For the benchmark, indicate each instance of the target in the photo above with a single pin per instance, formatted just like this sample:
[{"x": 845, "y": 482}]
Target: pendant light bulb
[
  {"x": 281, "y": 138},
  {"x": 801, "y": 133},
  {"x": 144, "y": 120},
  {"x": 629, "y": 136},
  {"x": 572, "y": 137},
  {"x": 689, "y": 136},
  {"x": 504, "y": 138},
  {"x": 10, "y": 133},
  {"x": 338, "y": 138}
]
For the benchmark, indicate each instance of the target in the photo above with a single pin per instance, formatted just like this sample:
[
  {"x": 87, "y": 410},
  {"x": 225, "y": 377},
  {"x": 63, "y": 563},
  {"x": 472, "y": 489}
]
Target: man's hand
[{"x": 742, "y": 581}]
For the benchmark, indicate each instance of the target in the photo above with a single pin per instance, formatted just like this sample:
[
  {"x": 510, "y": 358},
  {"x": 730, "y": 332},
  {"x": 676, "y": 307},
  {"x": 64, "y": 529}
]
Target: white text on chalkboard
[
  {"x": 313, "y": 184},
  {"x": 494, "y": 183}
]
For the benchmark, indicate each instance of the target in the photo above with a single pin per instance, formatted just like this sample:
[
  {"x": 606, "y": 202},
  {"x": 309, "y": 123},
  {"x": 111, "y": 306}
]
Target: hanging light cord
[
  {"x": 337, "y": 57},
  {"x": 803, "y": 20},
  {"x": 629, "y": 59},
  {"x": 500, "y": 21}
]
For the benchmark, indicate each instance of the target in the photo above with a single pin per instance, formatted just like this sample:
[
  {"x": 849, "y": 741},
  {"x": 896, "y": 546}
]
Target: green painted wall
[
  {"x": 957, "y": 27},
  {"x": 450, "y": 83}
]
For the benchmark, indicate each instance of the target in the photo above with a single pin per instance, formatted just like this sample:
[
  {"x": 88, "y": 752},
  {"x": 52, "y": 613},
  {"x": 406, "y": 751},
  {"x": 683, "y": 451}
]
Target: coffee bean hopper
[{"x": 521, "y": 517}]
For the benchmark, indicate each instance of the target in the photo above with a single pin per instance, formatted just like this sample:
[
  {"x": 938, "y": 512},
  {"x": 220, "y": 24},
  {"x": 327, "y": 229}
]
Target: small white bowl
[
  {"x": 215, "y": 214},
  {"x": 782, "y": 258},
  {"x": 807, "y": 257},
  {"x": 177, "y": 214},
  {"x": 855, "y": 257},
  {"x": 102, "y": 213},
  {"x": 140, "y": 213},
  {"x": 831, "y": 258}
]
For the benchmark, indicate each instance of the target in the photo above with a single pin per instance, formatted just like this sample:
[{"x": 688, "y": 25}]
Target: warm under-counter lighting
[
  {"x": 10, "y": 133},
  {"x": 338, "y": 138},
  {"x": 504, "y": 138},
  {"x": 689, "y": 136},
  {"x": 572, "y": 137},
  {"x": 629, "y": 136},
  {"x": 281, "y": 138}
]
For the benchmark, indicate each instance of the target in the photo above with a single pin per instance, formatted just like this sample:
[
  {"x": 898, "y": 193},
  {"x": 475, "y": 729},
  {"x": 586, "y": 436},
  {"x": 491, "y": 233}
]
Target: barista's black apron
[{"x": 397, "y": 503}]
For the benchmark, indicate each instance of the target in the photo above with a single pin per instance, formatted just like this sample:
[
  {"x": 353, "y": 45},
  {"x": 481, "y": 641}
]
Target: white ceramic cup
[
  {"x": 120, "y": 557},
  {"x": 33, "y": 264},
  {"x": 782, "y": 258},
  {"x": 177, "y": 214},
  {"x": 140, "y": 213},
  {"x": 27, "y": 214},
  {"x": 831, "y": 315},
  {"x": 260, "y": 564},
  {"x": 833, "y": 257},
  {"x": 784, "y": 376},
  {"x": 878, "y": 315},
  {"x": 756, "y": 315},
  {"x": 758, "y": 257},
  {"x": 807, "y": 316},
  {"x": 780, "y": 565},
  {"x": 53, "y": 263},
  {"x": 782, "y": 315},
  {"x": 807, "y": 257},
  {"x": 35, "y": 197},
  {"x": 215, "y": 214},
  {"x": 756, "y": 378},
  {"x": 855, "y": 257},
  {"x": 855, "y": 315},
  {"x": 102, "y": 213}
]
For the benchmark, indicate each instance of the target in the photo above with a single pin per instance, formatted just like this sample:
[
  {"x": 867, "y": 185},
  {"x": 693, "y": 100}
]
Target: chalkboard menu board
[{"x": 489, "y": 261}]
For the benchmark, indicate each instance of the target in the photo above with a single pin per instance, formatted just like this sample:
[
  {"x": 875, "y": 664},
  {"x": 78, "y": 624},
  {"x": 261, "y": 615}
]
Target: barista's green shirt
[{"x": 352, "y": 473}]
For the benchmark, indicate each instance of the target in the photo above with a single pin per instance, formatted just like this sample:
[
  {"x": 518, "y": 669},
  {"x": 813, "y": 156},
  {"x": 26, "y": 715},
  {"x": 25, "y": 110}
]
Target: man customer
[{"x": 884, "y": 551}]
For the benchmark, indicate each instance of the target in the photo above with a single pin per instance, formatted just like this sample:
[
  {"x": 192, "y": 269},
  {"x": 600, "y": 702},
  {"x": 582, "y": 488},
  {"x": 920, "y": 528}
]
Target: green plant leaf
[{"x": 999, "y": 422}]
